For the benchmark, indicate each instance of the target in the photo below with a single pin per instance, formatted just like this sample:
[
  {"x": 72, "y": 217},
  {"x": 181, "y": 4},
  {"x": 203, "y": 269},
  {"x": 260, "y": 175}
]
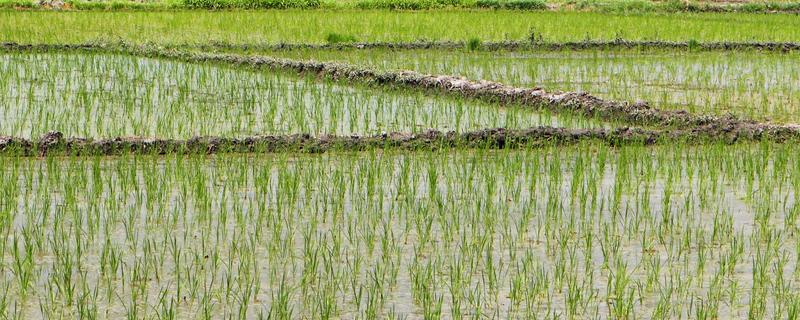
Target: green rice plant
[
  {"x": 295, "y": 26},
  {"x": 473, "y": 44},
  {"x": 18, "y": 4},
  {"x": 334, "y": 38},
  {"x": 699, "y": 82},
  {"x": 104, "y": 96},
  {"x": 375, "y": 234}
]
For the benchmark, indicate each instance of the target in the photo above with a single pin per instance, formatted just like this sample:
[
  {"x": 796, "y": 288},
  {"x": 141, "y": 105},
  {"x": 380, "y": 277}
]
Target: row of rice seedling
[
  {"x": 700, "y": 82},
  {"x": 314, "y": 26},
  {"x": 103, "y": 96},
  {"x": 588, "y": 231}
]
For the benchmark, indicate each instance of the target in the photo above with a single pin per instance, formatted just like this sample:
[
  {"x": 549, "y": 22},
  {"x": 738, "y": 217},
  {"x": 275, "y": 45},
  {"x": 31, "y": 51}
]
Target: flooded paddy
[
  {"x": 584, "y": 231},
  {"x": 106, "y": 96},
  {"x": 757, "y": 85}
]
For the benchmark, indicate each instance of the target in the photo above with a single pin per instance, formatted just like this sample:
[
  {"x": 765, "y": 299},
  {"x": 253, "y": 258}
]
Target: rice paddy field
[
  {"x": 754, "y": 85},
  {"x": 107, "y": 96},
  {"x": 549, "y": 210},
  {"x": 628, "y": 232}
]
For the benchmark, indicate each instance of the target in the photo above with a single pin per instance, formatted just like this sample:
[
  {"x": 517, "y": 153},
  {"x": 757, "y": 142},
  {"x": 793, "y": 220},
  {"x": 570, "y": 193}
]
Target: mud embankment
[
  {"x": 54, "y": 143},
  {"x": 510, "y": 46}
]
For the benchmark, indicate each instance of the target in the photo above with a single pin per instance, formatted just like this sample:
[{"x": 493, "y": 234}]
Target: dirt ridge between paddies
[
  {"x": 511, "y": 45},
  {"x": 54, "y": 143}
]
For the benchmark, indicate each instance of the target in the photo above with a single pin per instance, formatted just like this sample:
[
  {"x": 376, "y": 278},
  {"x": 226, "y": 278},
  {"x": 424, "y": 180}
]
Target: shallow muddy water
[
  {"x": 98, "y": 95},
  {"x": 758, "y": 85},
  {"x": 586, "y": 232}
]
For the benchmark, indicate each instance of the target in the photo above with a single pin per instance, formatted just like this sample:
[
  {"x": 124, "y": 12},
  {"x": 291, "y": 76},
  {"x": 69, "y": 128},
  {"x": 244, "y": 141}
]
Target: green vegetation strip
[
  {"x": 54, "y": 143},
  {"x": 315, "y": 26}
]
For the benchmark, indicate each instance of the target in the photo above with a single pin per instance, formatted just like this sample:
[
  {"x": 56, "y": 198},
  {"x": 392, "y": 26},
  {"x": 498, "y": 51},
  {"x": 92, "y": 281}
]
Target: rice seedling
[
  {"x": 473, "y": 44},
  {"x": 104, "y": 96},
  {"x": 574, "y": 232},
  {"x": 334, "y": 38},
  {"x": 589, "y": 230},
  {"x": 312, "y": 26},
  {"x": 699, "y": 82}
]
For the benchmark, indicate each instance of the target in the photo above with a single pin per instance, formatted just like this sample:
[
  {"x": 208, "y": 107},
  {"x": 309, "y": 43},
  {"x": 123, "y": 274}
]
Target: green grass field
[{"x": 299, "y": 26}]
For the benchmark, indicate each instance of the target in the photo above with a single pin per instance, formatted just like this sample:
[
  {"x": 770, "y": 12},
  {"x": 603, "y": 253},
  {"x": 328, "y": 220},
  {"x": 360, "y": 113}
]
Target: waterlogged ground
[
  {"x": 585, "y": 232},
  {"x": 100, "y": 95},
  {"x": 757, "y": 85}
]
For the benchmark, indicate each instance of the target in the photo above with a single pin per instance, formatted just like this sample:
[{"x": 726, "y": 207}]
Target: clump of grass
[
  {"x": 334, "y": 38},
  {"x": 27, "y": 4},
  {"x": 474, "y": 44},
  {"x": 693, "y": 44},
  {"x": 534, "y": 36}
]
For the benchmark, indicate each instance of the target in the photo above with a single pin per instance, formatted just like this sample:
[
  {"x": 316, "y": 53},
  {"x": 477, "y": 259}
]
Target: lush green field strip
[
  {"x": 748, "y": 84},
  {"x": 304, "y": 26},
  {"x": 104, "y": 96},
  {"x": 661, "y": 232}
]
